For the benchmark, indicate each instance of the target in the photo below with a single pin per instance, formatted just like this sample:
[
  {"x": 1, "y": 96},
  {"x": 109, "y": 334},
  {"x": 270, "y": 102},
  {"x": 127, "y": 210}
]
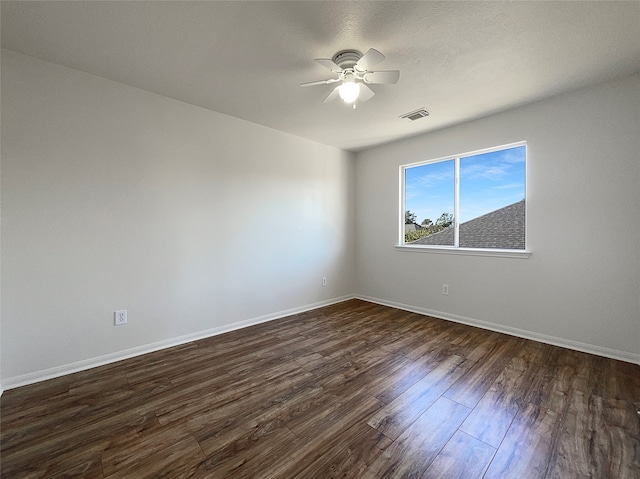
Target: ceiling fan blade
[
  {"x": 333, "y": 95},
  {"x": 388, "y": 76},
  {"x": 320, "y": 82},
  {"x": 369, "y": 60},
  {"x": 366, "y": 93},
  {"x": 330, "y": 64}
]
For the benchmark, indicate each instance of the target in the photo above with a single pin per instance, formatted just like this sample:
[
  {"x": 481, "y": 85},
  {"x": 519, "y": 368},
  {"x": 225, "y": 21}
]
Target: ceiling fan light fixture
[{"x": 349, "y": 90}]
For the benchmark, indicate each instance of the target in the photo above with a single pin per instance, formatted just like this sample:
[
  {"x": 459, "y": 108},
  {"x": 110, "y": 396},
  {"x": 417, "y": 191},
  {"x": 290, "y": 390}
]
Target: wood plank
[
  {"x": 164, "y": 451},
  {"x": 525, "y": 451},
  {"x": 412, "y": 453},
  {"x": 398, "y": 415},
  {"x": 401, "y": 375},
  {"x": 248, "y": 455},
  {"x": 226, "y": 424},
  {"x": 474, "y": 383},
  {"x": 322, "y": 436},
  {"x": 338, "y": 416},
  {"x": 350, "y": 456},
  {"x": 199, "y": 402},
  {"x": 593, "y": 439},
  {"x": 491, "y": 418},
  {"x": 438, "y": 341},
  {"x": 58, "y": 451},
  {"x": 463, "y": 457},
  {"x": 85, "y": 462}
]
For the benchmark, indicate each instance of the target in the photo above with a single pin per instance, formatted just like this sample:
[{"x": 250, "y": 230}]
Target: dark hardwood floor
[{"x": 353, "y": 390}]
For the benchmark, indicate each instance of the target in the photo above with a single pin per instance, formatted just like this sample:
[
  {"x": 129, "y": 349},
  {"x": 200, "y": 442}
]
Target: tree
[
  {"x": 445, "y": 220},
  {"x": 409, "y": 217},
  {"x": 426, "y": 222}
]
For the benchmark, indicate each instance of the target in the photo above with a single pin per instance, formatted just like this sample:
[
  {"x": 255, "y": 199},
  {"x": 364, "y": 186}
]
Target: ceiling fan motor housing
[{"x": 347, "y": 59}]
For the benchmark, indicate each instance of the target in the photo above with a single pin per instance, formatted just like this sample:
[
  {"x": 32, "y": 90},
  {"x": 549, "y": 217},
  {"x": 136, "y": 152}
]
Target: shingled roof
[{"x": 501, "y": 229}]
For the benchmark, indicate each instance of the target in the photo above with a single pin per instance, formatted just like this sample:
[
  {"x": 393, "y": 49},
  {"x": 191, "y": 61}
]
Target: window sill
[{"x": 502, "y": 253}]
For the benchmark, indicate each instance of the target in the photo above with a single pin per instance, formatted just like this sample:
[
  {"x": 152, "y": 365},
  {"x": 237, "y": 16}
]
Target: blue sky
[{"x": 488, "y": 181}]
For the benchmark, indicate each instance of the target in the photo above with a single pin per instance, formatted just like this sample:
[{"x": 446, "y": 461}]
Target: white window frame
[{"x": 456, "y": 249}]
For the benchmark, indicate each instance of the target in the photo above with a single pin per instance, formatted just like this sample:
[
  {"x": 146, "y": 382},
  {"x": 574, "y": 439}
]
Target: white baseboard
[
  {"x": 83, "y": 365},
  {"x": 521, "y": 333}
]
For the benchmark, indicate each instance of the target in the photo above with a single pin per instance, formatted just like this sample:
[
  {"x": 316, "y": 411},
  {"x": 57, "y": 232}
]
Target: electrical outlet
[
  {"x": 445, "y": 289},
  {"x": 324, "y": 281},
  {"x": 121, "y": 317}
]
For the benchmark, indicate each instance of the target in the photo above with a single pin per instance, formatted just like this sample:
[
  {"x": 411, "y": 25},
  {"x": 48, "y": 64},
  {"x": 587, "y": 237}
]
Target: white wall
[
  {"x": 193, "y": 221},
  {"x": 581, "y": 285}
]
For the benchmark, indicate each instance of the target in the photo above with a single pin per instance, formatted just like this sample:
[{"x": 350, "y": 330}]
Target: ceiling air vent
[{"x": 415, "y": 115}]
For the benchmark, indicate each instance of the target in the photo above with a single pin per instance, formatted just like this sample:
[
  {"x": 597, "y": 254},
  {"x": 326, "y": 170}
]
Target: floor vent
[{"x": 415, "y": 115}]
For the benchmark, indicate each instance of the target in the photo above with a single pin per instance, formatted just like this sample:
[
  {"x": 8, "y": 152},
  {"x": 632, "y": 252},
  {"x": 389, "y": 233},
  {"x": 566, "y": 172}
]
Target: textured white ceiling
[{"x": 460, "y": 60}]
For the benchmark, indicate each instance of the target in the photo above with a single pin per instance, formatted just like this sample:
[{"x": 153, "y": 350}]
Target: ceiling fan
[{"x": 353, "y": 69}]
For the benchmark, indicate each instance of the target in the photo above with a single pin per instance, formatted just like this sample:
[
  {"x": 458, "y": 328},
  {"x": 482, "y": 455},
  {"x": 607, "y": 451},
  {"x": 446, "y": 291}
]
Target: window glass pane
[
  {"x": 492, "y": 200},
  {"x": 429, "y": 203}
]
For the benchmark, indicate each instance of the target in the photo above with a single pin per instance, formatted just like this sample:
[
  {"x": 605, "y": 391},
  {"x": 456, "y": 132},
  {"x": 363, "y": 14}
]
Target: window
[{"x": 474, "y": 201}]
